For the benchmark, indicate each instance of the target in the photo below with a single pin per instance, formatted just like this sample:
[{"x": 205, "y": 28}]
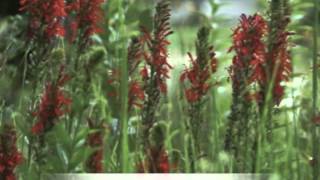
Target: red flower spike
[
  {"x": 157, "y": 162},
  {"x": 250, "y": 49},
  {"x": 88, "y": 16},
  {"x": 48, "y": 14},
  {"x": 136, "y": 94},
  {"x": 198, "y": 78},
  {"x": 281, "y": 64},
  {"x": 10, "y": 157},
  {"x": 53, "y": 105},
  {"x": 95, "y": 140},
  {"x": 157, "y": 57},
  {"x": 156, "y": 69}
]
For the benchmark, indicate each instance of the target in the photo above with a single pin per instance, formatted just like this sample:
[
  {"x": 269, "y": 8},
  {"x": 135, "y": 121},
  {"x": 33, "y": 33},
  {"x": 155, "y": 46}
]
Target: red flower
[
  {"x": 88, "y": 16},
  {"x": 95, "y": 141},
  {"x": 157, "y": 58},
  {"x": 280, "y": 65},
  {"x": 198, "y": 78},
  {"x": 94, "y": 163},
  {"x": 144, "y": 73},
  {"x": 10, "y": 157},
  {"x": 192, "y": 96},
  {"x": 48, "y": 14},
  {"x": 157, "y": 162},
  {"x": 250, "y": 49},
  {"x": 136, "y": 94},
  {"x": 53, "y": 104}
]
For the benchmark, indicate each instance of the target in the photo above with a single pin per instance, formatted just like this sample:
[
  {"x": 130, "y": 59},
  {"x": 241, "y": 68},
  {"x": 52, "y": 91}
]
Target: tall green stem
[
  {"x": 124, "y": 152},
  {"x": 315, "y": 132}
]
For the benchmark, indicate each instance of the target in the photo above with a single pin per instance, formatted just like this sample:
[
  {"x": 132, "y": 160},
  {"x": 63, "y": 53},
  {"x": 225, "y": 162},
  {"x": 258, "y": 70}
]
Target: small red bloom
[
  {"x": 191, "y": 95},
  {"x": 95, "y": 140},
  {"x": 198, "y": 78},
  {"x": 144, "y": 73},
  {"x": 10, "y": 157},
  {"x": 53, "y": 104},
  {"x": 94, "y": 163},
  {"x": 136, "y": 93},
  {"x": 156, "y": 162}
]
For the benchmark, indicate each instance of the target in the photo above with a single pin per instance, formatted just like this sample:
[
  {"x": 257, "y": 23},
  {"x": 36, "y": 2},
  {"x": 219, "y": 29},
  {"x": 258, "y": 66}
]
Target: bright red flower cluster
[
  {"x": 198, "y": 78},
  {"x": 88, "y": 15},
  {"x": 51, "y": 14},
  {"x": 95, "y": 140},
  {"x": 157, "y": 59},
  {"x": 250, "y": 48},
  {"x": 10, "y": 157},
  {"x": 53, "y": 104},
  {"x": 48, "y": 14},
  {"x": 157, "y": 162},
  {"x": 252, "y": 56}
]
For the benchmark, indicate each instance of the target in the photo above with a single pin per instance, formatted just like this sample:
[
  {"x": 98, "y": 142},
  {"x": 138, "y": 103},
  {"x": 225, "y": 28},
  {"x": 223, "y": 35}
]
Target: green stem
[
  {"x": 315, "y": 148},
  {"x": 124, "y": 152}
]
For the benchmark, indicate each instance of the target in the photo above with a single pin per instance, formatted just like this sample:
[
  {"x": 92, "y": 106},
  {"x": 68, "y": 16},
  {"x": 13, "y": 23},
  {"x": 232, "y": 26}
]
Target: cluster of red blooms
[
  {"x": 10, "y": 157},
  {"x": 48, "y": 14},
  {"x": 157, "y": 162},
  {"x": 136, "y": 92},
  {"x": 95, "y": 140},
  {"x": 88, "y": 15},
  {"x": 53, "y": 104},
  {"x": 250, "y": 49},
  {"x": 157, "y": 59},
  {"x": 154, "y": 75},
  {"x": 251, "y": 54},
  {"x": 198, "y": 78}
]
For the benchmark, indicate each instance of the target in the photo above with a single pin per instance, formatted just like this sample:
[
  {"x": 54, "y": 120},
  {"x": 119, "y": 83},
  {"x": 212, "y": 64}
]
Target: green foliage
[{"x": 25, "y": 68}]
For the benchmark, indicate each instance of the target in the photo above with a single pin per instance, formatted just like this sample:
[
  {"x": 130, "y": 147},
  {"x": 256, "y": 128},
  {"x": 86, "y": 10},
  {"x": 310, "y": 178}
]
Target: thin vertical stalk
[
  {"x": 124, "y": 149},
  {"x": 315, "y": 148},
  {"x": 296, "y": 141}
]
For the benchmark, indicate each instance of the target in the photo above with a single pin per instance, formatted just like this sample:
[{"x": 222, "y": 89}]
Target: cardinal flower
[
  {"x": 157, "y": 162},
  {"x": 136, "y": 94},
  {"x": 88, "y": 16},
  {"x": 53, "y": 105},
  {"x": 48, "y": 14},
  {"x": 250, "y": 59},
  {"x": 198, "y": 75},
  {"x": 95, "y": 141},
  {"x": 196, "y": 82},
  {"x": 278, "y": 67},
  {"x": 198, "y": 79},
  {"x": 10, "y": 157},
  {"x": 157, "y": 57}
]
